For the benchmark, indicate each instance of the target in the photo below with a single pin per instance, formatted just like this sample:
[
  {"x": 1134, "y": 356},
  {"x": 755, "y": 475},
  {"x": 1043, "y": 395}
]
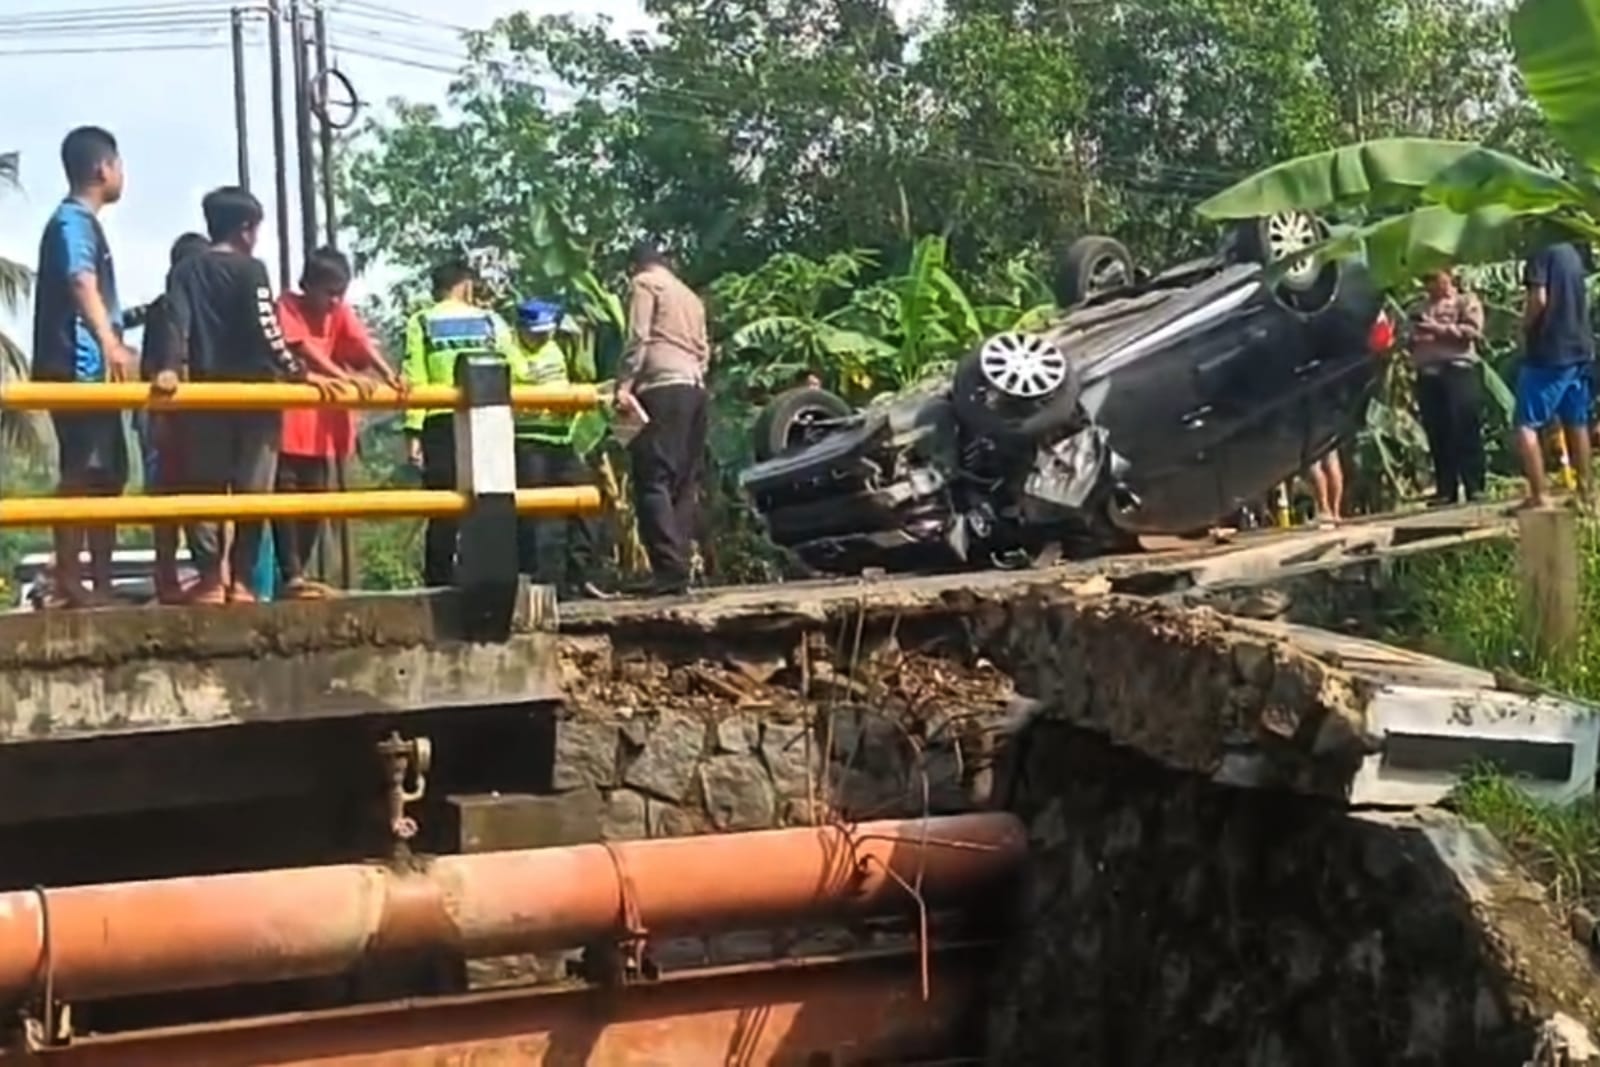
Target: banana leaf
[
  {"x": 1499, "y": 391},
  {"x": 1484, "y": 177},
  {"x": 833, "y": 341},
  {"x": 1557, "y": 43},
  {"x": 1376, "y": 175},
  {"x": 589, "y": 428},
  {"x": 1401, "y": 247},
  {"x": 600, "y": 304}
]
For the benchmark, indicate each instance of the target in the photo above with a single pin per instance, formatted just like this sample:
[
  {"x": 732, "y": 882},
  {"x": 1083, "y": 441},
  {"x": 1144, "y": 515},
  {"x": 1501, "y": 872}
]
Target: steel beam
[{"x": 840, "y": 1011}]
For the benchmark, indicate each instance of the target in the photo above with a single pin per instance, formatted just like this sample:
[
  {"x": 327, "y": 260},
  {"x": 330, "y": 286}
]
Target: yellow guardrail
[
  {"x": 253, "y": 507},
  {"x": 270, "y": 396}
]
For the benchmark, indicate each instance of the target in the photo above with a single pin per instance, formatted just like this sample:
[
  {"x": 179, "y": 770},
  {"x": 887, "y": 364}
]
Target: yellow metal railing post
[{"x": 487, "y": 563}]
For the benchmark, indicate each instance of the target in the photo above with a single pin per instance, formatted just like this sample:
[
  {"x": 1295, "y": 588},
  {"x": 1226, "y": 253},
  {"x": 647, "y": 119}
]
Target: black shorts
[{"x": 93, "y": 447}]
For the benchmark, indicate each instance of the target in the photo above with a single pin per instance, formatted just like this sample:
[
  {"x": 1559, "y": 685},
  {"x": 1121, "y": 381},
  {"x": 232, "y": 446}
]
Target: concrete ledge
[
  {"x": 121, "y": 671},
  {"x": 32, "y": 640}
]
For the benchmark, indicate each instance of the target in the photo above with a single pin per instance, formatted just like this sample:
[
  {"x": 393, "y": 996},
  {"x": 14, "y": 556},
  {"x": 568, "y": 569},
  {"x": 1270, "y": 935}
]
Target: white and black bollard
[{"x": 486, "y": 470}]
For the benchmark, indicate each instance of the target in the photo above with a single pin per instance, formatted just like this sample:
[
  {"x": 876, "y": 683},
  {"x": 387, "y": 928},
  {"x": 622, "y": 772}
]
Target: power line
[
  {"x": 103, "y": 15},
  {"x": 1132, "y": 176},
  {"x": 189, "y": 22},
  {"x": 401, "y": 61},
  {"x": 401, "y": 42},
  {"x": 383, "y": 13},
  {"x": 175, "y": 46},
  {"x": 731, "y": 101}
]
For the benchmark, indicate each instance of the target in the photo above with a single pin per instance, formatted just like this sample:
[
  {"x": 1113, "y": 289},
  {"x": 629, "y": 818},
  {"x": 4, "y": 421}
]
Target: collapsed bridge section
[{"x": 1133, "y": 738}]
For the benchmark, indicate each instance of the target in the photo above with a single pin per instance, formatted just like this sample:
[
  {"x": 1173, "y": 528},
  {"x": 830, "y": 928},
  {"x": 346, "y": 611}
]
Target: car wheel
[
  {"x": 1017, "y": 386},
  {"x": 1306, "y": 285},
  {"x": 790, "y": 421},
  {"x": 1090, "y": 267}
]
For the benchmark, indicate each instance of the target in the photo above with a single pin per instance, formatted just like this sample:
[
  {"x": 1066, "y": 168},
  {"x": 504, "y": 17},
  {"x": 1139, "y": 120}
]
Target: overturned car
[{"x": 1153, "y": 404}]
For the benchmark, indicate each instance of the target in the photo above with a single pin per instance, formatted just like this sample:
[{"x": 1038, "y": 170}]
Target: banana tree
[
  {"x": 22, "y": 433},
  {"x": 1419, "y": 203}
]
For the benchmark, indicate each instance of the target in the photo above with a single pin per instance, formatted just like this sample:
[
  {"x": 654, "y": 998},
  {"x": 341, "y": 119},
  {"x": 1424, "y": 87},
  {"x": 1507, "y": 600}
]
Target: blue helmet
[{"x": 538, "y": 315}]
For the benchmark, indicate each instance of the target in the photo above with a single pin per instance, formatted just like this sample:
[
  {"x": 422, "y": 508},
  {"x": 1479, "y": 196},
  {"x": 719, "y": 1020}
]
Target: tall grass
[
  {"x": 1465, "y": 605},
  {"x": 1558, "y": 846}
]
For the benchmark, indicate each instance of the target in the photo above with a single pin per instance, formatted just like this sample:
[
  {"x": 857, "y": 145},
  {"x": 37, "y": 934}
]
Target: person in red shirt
[{"x": 325, "y": 332}]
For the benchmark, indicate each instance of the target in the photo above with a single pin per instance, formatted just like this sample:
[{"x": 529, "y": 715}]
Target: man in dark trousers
[
  {"x": 436, "y": 337},
  {"x": 663, "y": 380},
  {"x": 1444, "y": 349},
  {"x": 1553, "y": 384}
]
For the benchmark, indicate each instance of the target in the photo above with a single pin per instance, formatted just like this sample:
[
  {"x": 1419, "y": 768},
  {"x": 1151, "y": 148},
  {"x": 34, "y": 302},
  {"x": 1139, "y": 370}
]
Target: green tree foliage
[
  {"x": 1422, "y": 203},
  {"x": 864, "y": 196},
  {"x": 741, "y": 130},
  {"x": 22, "y": 434}
]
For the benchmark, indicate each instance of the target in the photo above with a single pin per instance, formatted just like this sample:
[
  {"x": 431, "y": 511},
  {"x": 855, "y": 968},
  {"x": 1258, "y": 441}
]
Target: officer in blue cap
[{"x": 557, "y": 551}]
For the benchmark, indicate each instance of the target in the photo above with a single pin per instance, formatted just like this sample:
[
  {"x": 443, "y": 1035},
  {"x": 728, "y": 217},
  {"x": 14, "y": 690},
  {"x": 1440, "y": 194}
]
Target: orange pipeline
[
  {"x": 270, "y": 396},
  {"x": 94, "y": 942},
  {"x": 250, "y": 507}
]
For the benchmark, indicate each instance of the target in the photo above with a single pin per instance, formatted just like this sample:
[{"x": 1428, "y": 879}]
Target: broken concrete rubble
[{"x": 1270, "y": 927}]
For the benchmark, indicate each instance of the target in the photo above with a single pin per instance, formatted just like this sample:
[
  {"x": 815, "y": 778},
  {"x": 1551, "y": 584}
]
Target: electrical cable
[
  {"x": 182, "y": 25},
  {"x": 103, "y": 49}
]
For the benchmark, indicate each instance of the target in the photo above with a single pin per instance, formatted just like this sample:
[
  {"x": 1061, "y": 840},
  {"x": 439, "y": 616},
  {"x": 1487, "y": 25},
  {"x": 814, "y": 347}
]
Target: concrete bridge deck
[
  {"x": 256, "y": 679},
  {"x": 169, "y": 742}
]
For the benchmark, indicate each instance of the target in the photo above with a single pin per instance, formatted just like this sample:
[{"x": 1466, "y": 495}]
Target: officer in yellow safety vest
[
  {"x": 436, "y": 337},
  {"x": 557, "y": 551}
]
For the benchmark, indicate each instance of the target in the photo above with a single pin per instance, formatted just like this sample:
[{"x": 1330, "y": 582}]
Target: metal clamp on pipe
[{"x": 486, "y": 471}]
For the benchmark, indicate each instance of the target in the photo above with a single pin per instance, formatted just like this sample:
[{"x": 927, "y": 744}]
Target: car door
[
  {"x": 1341, "y": 370},
  {"x": 1180, "y": 399},
  {"x": 1314, "y": 372}
]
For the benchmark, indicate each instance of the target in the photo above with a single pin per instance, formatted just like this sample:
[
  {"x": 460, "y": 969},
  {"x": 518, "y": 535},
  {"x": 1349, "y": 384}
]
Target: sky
[{"x": 158, "y": 75}]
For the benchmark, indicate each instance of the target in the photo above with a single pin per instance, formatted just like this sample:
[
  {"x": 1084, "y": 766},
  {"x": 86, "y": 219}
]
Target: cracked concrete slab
[{"x": 119, "y": 671}]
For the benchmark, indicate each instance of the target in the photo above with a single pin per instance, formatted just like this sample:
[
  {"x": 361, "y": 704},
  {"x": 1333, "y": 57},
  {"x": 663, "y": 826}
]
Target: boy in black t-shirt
[{"x": 225, "y": 328}]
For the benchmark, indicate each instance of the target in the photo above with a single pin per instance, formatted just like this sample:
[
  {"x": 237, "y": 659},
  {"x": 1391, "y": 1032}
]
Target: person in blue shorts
[{"x": 1553, "y": 384}]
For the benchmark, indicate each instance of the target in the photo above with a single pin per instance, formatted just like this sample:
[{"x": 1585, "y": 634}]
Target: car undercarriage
[{"x": 1150, "y": 405}]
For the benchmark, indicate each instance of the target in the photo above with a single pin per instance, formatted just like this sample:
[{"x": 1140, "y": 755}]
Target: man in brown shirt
[
  {"x": 663, "y": 378},
  {"x": 1445, "y": 332}
]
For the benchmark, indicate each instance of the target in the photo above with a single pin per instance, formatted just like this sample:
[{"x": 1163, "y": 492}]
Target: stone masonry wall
[
  {"x": 1170, "y": 920},
  {"x": 679, "y": 741}
]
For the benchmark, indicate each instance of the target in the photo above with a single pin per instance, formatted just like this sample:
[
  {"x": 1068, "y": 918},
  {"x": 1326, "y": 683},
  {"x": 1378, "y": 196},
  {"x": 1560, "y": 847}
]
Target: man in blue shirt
[
  {"x": 1553, "y": 384},
  {"x": 77, "y": 337}
]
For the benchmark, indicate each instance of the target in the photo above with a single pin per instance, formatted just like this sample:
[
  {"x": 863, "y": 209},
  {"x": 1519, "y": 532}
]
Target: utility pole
[
  {"x": 280, "y": 174},
  {"x": 302, "y": 130},
  {"x": 304, "y": 158},
  {"x": 330, "y": 219},
  {"x": 241, "y": 114}
]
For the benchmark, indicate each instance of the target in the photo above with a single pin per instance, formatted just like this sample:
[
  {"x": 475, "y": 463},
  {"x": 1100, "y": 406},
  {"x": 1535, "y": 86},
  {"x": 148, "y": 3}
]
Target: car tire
[
  {"x": 988, "y": 412},
  {"x": 1265, "y": 240},
  {"x": 1086, "y": 268},
  {"x": 779, "y": 422}
]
